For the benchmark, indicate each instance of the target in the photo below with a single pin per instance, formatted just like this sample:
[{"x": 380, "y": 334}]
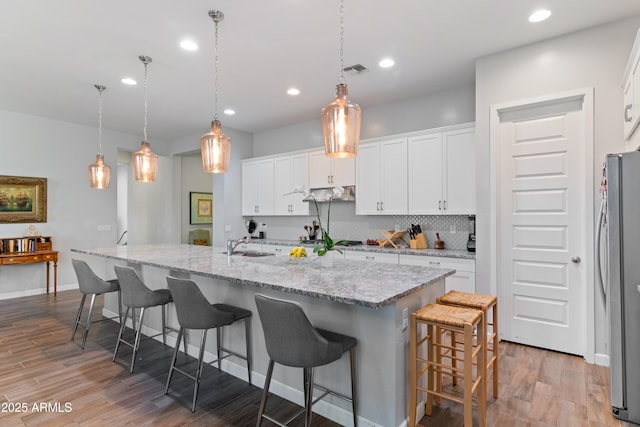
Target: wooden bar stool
[
  {"x": 455, "y": 319},
  {"x": 485, "y": 303}
]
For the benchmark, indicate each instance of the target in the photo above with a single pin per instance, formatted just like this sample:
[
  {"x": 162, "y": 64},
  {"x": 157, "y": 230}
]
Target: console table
[{"x": 30, "y": 250}]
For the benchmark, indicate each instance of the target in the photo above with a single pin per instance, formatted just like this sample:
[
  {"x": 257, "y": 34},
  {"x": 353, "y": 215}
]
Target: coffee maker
[{"x": 471, "y": 243}]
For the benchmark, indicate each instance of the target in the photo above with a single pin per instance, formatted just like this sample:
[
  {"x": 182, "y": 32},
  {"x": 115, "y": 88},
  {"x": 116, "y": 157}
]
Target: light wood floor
[{"x": 39, "y": 365}]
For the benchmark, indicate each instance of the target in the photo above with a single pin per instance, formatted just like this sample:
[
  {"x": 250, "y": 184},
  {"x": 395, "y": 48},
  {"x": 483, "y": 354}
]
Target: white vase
[{"x": 327, "y": 259}]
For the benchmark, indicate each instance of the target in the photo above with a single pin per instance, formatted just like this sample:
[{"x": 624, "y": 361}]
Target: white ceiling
[{"x": 52, "y": 53}]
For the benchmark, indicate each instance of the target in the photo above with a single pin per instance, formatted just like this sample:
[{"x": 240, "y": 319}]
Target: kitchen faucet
[{"x": 232, "y": 244}]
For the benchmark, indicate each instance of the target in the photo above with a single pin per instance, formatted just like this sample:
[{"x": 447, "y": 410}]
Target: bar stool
[
  {"x": 485, "y": 303},
  {"x": 196, "y": 312},
  {"x": 136, "y": 295},
  {"x": 456, "y": 319},
  {"x": 292, "y": 340},
  {"x": 90, "y": 284}
]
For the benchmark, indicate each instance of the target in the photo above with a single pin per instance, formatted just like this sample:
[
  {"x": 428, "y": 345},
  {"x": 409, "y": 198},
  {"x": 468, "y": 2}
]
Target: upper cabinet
[
  {"x": 442, "y": 169},
  {"x": 381, "y": 178},
  {"x": 329, "y": 172},
  {"x": 290, "y": 172},
  {"x": 258, "y": 187},
  {"x": 631, "y": 92}
]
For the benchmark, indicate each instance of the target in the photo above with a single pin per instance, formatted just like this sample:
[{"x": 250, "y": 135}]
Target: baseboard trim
[
  {"x": 602, "y": 359},
  {"x": 31, "y": 292}
]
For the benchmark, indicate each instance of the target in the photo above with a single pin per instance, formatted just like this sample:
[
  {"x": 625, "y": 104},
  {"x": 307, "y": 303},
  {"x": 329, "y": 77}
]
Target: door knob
[{"x": 576, "y": 259}]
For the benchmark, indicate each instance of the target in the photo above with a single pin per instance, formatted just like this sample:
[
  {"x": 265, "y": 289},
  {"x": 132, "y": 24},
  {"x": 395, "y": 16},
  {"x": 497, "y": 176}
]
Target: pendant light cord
[
  {"x": 100, "y": 89},
  {"x": 215, "y": 79},
  {"x": 341, "y": 42},
  {"x": 146, "y": 64}
]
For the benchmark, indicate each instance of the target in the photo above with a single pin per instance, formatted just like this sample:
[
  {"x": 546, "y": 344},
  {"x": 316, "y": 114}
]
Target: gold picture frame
[
  {"x": 23, "y": 199},
  {"x": 200, "y": 207}
]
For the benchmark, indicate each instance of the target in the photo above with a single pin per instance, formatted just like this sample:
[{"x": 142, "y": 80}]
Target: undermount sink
[{"x": 254, "y": 254}]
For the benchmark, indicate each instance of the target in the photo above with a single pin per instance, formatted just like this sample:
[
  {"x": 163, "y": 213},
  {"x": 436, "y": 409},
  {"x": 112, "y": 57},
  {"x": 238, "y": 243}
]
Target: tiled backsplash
[{"x": 453, "y": 229}]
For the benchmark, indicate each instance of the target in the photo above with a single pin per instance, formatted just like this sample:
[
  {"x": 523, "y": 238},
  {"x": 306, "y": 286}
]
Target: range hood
[{"x": 323, "y": 195}]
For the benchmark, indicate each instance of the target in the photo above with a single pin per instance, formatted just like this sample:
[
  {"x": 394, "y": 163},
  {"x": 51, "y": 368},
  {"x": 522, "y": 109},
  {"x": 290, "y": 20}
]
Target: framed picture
[
  {"x": 23, "y": 199},
  {"x": 201, "y": 208}
]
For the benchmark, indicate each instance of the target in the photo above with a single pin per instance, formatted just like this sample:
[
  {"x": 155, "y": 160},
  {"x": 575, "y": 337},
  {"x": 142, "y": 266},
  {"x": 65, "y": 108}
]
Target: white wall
[
  {"x": 592, "y": 58},
  {"x": 61, "y": 152},
  {"x": 448, "y": 107}
]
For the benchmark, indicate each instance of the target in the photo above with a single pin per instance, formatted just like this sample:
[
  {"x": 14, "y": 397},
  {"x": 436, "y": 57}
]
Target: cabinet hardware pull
[
  {"x": 369, "y": 257},
  {"x": 627, "y": 109},
  {"x": 444, "y": 204},
  {"x": 439, "y": 205},
  {"x": 434, "y": 263},
  {"x": 381, "y": 206},
  {"x": 378, "y": 206}
]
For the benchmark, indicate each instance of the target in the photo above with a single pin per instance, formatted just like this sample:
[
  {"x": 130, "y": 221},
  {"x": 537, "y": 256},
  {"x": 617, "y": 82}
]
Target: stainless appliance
[
  {"x": 623, "y": 201},
  {"x": 471, "y": 243}
]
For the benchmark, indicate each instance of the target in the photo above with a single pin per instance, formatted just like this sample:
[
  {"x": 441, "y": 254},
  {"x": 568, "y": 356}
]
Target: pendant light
[
  {"x": 99, "y": 172},
  {"x": 341, "y": 118},
  {"x": 145, "y": 161},
  {"x": 215, "y": 146}
]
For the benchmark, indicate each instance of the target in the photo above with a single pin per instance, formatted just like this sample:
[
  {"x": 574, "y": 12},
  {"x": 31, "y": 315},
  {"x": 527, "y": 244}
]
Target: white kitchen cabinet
[
  {"x": 277, "y": 249},
  {"x": 441, "y": 173},
  {"x": 631, "y": 92},
  {"x": 464, "y": 278},
  {"x": 384, "y": 258},
  {"x": 381, "y": 178},
  {"x": 257, "y": 187},
  {"x": 329, "y": 171},
  {"x": 290, "y": 172}
]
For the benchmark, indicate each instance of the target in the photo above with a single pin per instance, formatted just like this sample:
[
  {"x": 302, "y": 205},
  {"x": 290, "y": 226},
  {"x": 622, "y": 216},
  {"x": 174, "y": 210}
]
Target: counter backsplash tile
[{"x": 345, "y": 224}]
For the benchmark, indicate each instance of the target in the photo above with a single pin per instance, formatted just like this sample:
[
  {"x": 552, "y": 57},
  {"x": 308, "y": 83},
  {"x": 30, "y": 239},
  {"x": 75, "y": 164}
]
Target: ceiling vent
[{"x": 356, "y": 69}]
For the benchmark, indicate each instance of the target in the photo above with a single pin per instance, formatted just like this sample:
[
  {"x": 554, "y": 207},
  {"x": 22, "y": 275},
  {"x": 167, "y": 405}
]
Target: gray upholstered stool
[
  {"x": 196, "y": 312},
  {"x": 90, "y": 284},
  {"x": 292, "y": 341},
  {"x": 136, "y": 295}
]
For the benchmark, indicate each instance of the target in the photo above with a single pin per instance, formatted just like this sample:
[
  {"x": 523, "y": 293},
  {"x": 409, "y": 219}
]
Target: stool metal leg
[
  {"x": 265, "y": 393},
  {"x": 247, "y": 335},
  {"x": 203, "y": 341},
  {"x": 75, "y": 326},
  {"x": 352, "y": 357},
  {"x": 88, "y": 322},
  {"x": 164, "y": 324},
  {"x": 308, "y": 404},
  {"x": 136, "y": 345},
  {"x": 122, "y": 325},
  {"x": 173, "y": 360},
  {"x": 219, "y": 339}
]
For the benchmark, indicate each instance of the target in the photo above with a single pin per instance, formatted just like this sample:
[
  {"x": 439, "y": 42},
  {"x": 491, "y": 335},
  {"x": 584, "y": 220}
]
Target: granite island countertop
[{"x": 366, "y": 284}]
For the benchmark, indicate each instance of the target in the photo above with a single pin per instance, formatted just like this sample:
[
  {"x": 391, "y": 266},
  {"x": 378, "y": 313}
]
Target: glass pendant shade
[
  {"x": 215, "y": 147},
  {"x": 341, "y": 125},
  {"x": 99, "y": 173},
  {"x": 145, "y": 163}
]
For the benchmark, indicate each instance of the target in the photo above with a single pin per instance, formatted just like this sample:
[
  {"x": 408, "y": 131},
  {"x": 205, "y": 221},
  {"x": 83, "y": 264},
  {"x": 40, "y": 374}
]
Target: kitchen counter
[
  {"x": 367, "y": 301},
  {"x": 350, "y": 282},
  {"x": 449, "y": 253}
]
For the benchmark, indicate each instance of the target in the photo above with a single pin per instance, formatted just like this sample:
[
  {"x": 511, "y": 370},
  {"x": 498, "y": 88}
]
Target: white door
[{"x": 541, "y": 231}]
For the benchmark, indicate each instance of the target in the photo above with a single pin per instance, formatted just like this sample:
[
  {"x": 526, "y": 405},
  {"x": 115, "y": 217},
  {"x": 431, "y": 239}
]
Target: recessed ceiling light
[
  {"x": 129, "y": 81},
  {"x": 229, "y": 112},
  {"x": 386, "y": 63},
  {"x": 189, "y": 45},
  {"x": 539, "y": 15},
  {"x": 293, "y": 91}
]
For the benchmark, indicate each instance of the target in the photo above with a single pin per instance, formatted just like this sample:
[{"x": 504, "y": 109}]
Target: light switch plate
[{"x": 405, "y": 318}]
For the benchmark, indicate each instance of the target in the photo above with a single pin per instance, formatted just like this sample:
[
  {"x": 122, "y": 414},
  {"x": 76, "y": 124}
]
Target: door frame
[{"x": 494, "y": 232}]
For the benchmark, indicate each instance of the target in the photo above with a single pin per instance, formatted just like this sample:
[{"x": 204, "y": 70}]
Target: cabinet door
[
  {"x": 464, "y": 279},
  {"x": 628, "y": 107},
  {"x": 459, "y": 182},
  {"x": 635, "y": 110},
  {"x": 368, "y": 180},
  {"x": 393, "y": 182},
  {"x": 250, "y": 188},
  {"x": 343, "y": 172},
  {"x": 319, "y": 169},
  {"x": 282, "y": 185},
  {"x": 425, "y": 174},
  {"x": 299, "y": 178},
  {"x": 265, "y": 187}
]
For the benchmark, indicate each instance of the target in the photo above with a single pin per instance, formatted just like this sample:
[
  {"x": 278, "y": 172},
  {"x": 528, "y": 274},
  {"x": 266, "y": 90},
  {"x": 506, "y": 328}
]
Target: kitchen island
[{"x": 370, "y": 302}]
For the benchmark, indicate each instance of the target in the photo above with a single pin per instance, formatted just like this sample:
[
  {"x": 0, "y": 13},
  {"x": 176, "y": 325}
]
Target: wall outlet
[
  {"x": 263, "y": 226},
  {"x": 452, "y": 229},
  {"x": 104, "y": 227},
  {"x": 405, "y": 318}
]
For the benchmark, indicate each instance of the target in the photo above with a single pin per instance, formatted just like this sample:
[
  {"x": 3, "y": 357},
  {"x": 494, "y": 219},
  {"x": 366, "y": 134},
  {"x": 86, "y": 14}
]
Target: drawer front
[
  {"x": 458, "y": 264},
  {"x": 28, "y": 259},
  {"x": 49, "y": 257},
  {"x": 372, "y": 257}
]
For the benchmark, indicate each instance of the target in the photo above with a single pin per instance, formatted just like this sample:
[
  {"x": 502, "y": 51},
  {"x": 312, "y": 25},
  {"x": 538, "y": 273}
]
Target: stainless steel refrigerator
[{"x": 623, "y": 200}]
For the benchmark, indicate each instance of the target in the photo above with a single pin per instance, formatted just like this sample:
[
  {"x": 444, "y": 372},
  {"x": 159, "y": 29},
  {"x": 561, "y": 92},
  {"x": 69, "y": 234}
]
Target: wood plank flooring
[{"x": 39, "y": 365}]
